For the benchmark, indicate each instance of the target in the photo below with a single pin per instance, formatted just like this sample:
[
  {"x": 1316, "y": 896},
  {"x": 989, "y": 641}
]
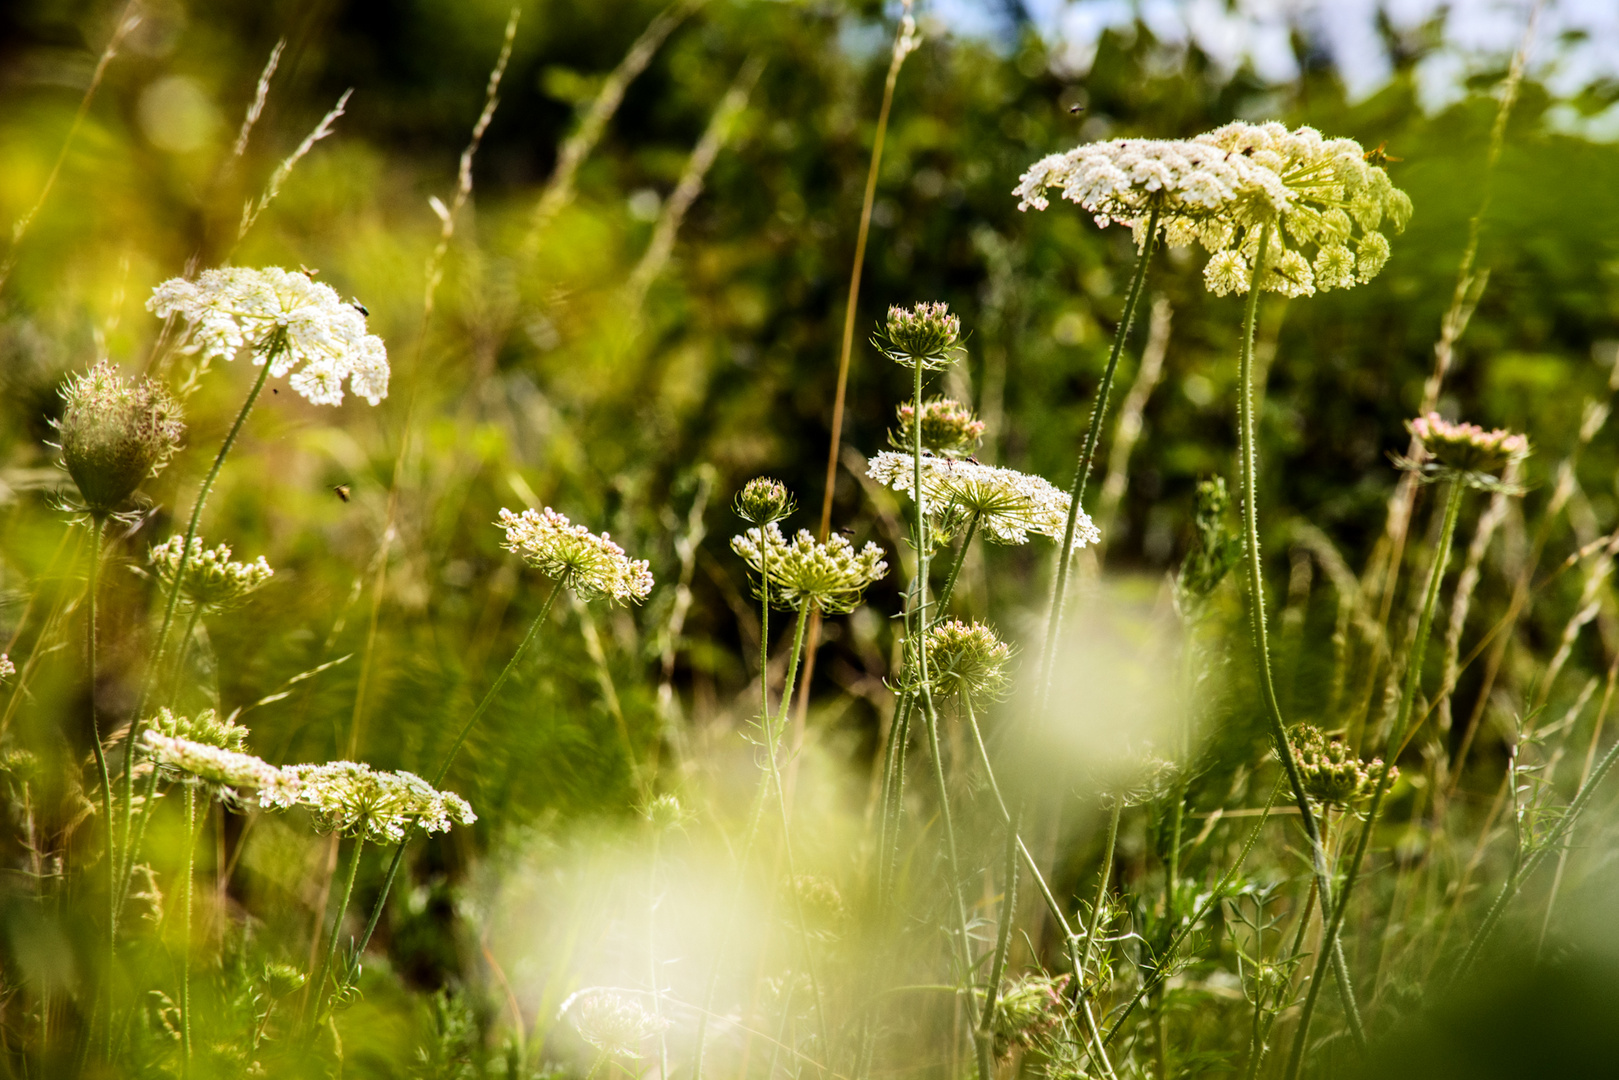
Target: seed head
[
  {"x": 282, "y": 980},
  {"x": 1010, "y": 505},
  {"x": 1465, "y": 453},
  {"x": 1030, "y": 1008},
  {"x": 115, "y": 433},
  {"x": 763, "y": 500},
  {"x": 924, "y": 334},
  {"x": 967, "y": 658},
  {"x": 230, "y": 772},
  {"x": 574, "y": 557},
  {"x": 286, "y": 319},
  {"x": 1331, "y": 773},
  {"x": 614, "y": 1024},
  {"x": 212, "y": 581},
  {"x": 356, "y": 800},
  {"x": 830, "y": 576},
  {"x": 948, "y": 428}
]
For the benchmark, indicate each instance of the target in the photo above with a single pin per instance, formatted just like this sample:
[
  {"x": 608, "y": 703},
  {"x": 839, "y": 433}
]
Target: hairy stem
[
  {"x": 185, "y": 913},
  {"x": 1003, "y": 937},
  {"x": 98, "y": 531},
  {"x": 317, "y": 986},
  {"x": 1087, "y": 455}
]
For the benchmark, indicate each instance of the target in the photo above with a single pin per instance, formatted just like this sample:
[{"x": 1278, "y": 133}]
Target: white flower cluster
[
  {"x": 230, "y": 770},
  {"x": 212, "y": 581},
  {"x": 592, "y": 566},
  {"x": 1221, "y": 188},
  {"x": 288, "y": 320},
  {"x": 1010, "y": 505},
  {"x": 7, "y": 668},
  {"x": 357, "y": 800},
  {"x": 612, "y": 1023},
  {"x": 831, "y": 576}
]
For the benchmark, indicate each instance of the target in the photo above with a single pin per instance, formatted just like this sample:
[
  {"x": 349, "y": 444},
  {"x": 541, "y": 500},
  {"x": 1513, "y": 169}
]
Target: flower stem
[
  {"x": 955, "y": 569},
  {"x": 173, "y": 600},
  {"x": 317, "y": 985},
  {"x": 1087, "y": 455},
  {"x": 98, "y": 531},
  {"x": 449, "y": 759},
  {"x": 1256, "y": 624},
  {"x": 1103, "y": 874},
  {"x": 1413, "y": 679},
  {"x": 185, "y": 912},
  {"x": 1003, "y": 937}
]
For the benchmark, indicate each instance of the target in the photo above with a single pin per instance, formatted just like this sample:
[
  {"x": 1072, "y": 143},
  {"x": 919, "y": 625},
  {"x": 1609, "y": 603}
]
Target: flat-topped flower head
[
  {"x": 831, "y": 577},
  {"x": 1192, "y": 185},
  {"x": 1464, "y": 452},
  {"x": 613, "y": 1023},
  {"x": 763, "y": 500},
  {"x": 924, "y": 334},
  {"x": 1331, "y": 773},
  {"x": 356, "y": 800},
  {"x": 285, "y": 318},
  {"x": 239, "y": 777},
  {"x": 948, "y": 427},
  {"x": 576, "y": 558},
  {"x": 967, "y": 658},
  {"x": 115, "y": 433},
  {"x": 212, "y": 582},
  {"x": 1009, "y": 504},
  {"x": 1326, "y": 233}
]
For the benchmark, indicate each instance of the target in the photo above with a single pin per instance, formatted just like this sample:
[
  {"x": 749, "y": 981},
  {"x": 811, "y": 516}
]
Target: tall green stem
[
  {"x": 1408, "y": 696},
  {"x": 172, "y": 602},
  {"x": 449, "y": 759},
  {"x": 1003, "y": 937},
  {"x": 1103, "y": 875},
  {"x": 949, "y": 589},
  {"x": 98, "y": 531},
  {"x": 185, "y": 913},
  {"x": 1256, "y": 623},
  {"x": 1087, "y": 455},
  {"x": 317, "y": 986}
]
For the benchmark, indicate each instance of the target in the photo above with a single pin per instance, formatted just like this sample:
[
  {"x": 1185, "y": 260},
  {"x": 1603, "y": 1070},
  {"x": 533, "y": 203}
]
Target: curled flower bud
[
  {"x": 212, "y": 581},
  {"x": 763, "y": 500},
  {"x": 967, "y": 658},
  {"x": 612, "y": 1023},
  {"x": 925, "y": 334},
  {"x": 1331, "y": 773},
  {"x": 205, "y": 728},
  {"x": 948, "y": 428},
  {"x": 574, "y": 557},
  {"x": 831, "y": 576},
  {"x": 114, "y": 433},
  {"x": 356, "y": 800},
  {"x": 1464, "y": 452},
  {"x": 282, "y": 980}
]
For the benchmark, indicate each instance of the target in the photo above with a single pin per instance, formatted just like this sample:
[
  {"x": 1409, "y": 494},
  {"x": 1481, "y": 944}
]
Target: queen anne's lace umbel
[
  {"x": 241, "y": 776},
  {"x": 295, "y": 324},
  {"x": 1010, "y": 505},
  {"x": 356, "y": 800},
  {"x": 212, "y": 580},
  {"x": 967, "y": 658},
  {"x": 573, "y": 556},
  {"x": 831, "y": 576}
]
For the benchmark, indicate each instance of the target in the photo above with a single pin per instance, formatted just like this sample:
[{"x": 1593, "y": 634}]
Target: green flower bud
[
  {"x": 114, "y": 434},
  {"x": 763, "y": 500},
  {"x": 925, "y": 334},
  {"x": 948, "y": 427}
]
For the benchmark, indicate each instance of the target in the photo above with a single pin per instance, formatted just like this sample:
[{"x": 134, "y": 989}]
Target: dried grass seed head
[
  {"x": 592, "y": 566},
  {"x": 212, "y": 582},
  {"x": 1463, "y": 452},
  {"x": 925, "y": 334},
  {"x": 356, "y": 800},
  {"x": 830, "y": 576},
  {"x": 948, "y": 427},
  {"x": 285, "y": 318},
  {"x": 1010, "y": 504},
  {"x": 613, "y": 1023},
  {"x": 114, "y": 433},
  {"x": 763, "y": 500},
  {"x": 967, "y": 658}
]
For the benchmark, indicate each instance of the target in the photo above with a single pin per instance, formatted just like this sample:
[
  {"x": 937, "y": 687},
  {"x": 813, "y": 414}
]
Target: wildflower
[
  {"x": 830, "y": 576},
  {"x": 205, "y": 727},
  {"x": 614, "y": 1024},
  {"x": 1331, "y": 773},
  {"x": 212, "y": 581},
  {"x": 229, "y": 770},
  {"x": 1009, "y": 504},
  {"x": 948, "y": 427},
  {"x": 1335, "y": 200},
  {"x": 817, "y": 899},
  {"x": 287, "y": 320},
  {"x": 763, "y": 500},
  {"x": 925, "y": 334},
  {"x": 1189, "y": 183},
  {"x": 357, "y": 800},
  {"x": 282, "y": 980},
  {"x": 7, "y": 668},
  {"x": 967, "y": 658},
  {"x": 1226, "y": 273},
  {"x": 1029, "y": 1009},
  {"x": 665, "y": 812},
  {"x": 114, "y": 433},
  {"x": 592, "y": 566},
  {"x": 1464, "y": 452}
]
